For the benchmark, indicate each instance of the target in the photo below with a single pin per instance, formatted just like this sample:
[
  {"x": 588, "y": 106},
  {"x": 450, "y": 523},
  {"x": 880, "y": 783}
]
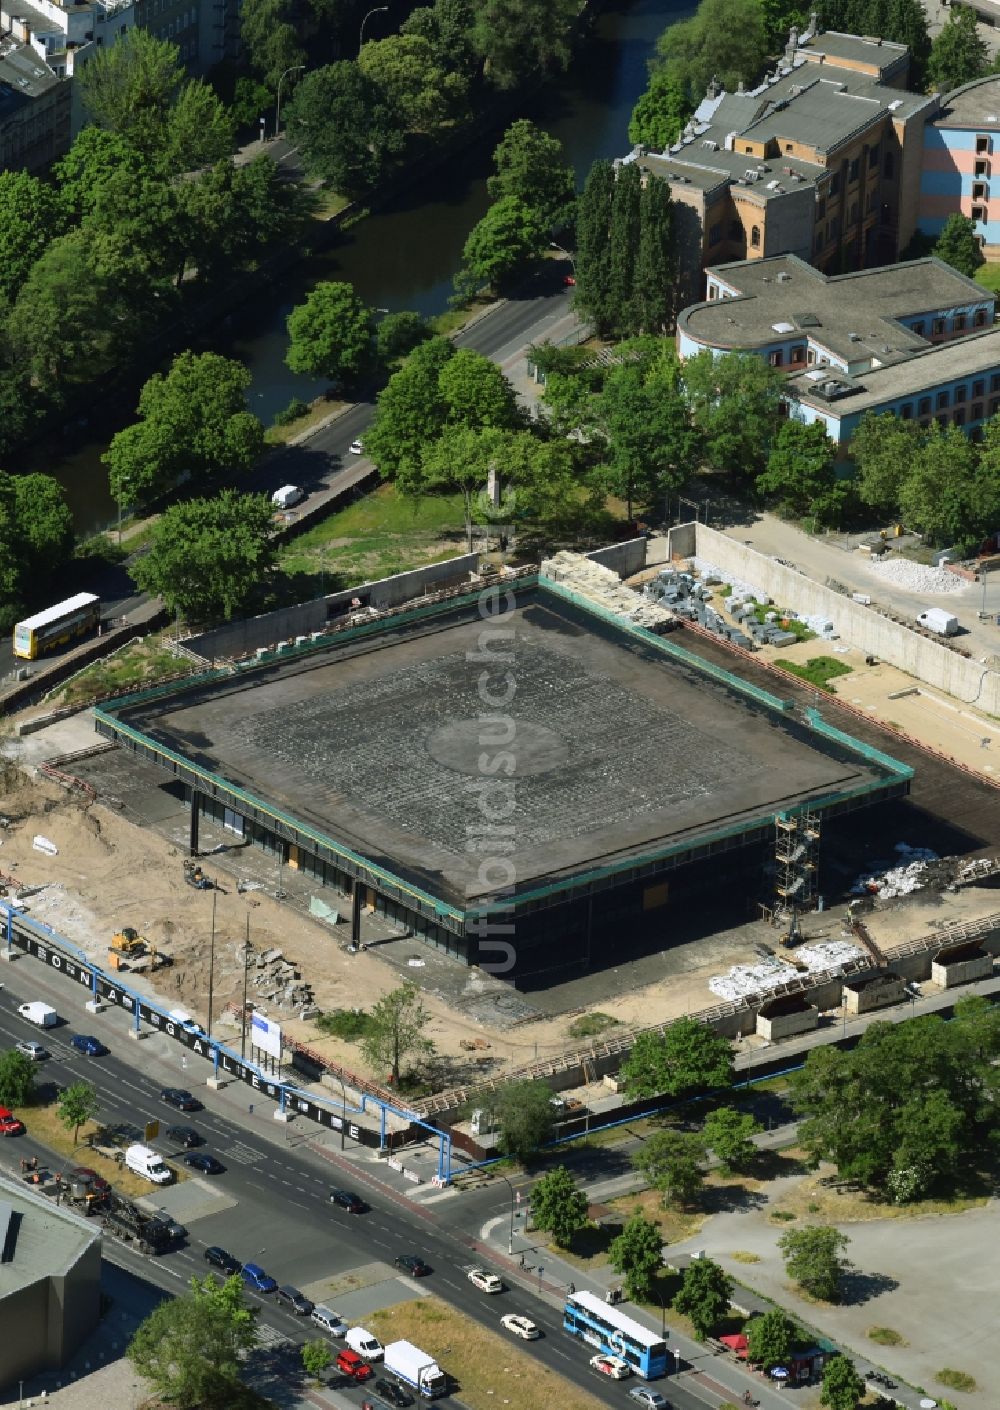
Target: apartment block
[{"x": 961, "y": 163}]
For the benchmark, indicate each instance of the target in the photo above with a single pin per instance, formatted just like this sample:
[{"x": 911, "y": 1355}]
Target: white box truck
[
  {"x": 287, "y": 496},
  {"x": 41, "y": 1014},
  {"x": 936, "y": 619},
  {"x": 143, "y": 1160},
  {"x": 415, "y": 1369}
]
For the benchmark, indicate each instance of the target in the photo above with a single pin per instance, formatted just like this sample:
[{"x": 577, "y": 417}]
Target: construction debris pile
[
  {"x": 911, "y": 871},
  {"x": 277, "y": 980},
  {"x": 601, "y": 586},
  {"x": 743, "y": 604},
  {"x": 916, "y": 577},
  {"x": 744, "y": 981}
]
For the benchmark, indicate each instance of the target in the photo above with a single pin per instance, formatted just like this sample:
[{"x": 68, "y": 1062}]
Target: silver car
[
  {"x": 652, "y": 1399},
  {"x": 32, "y": 1050}
]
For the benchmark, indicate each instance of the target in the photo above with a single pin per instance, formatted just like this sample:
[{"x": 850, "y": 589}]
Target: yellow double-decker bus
[{"x": 56, "y": 625}]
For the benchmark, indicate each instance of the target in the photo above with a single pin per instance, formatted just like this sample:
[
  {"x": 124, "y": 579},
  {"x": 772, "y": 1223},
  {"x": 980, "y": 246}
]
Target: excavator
[{"x": 128, "y": 942}]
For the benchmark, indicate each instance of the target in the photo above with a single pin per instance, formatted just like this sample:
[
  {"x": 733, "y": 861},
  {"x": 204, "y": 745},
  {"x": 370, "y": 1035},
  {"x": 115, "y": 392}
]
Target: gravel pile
[
  {"x": 911, "y": 872},
  {"x": 916, "y": 577}
]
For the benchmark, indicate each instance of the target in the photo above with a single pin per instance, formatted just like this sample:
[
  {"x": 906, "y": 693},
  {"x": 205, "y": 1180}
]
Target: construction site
[{"x": 686, "y": 833}]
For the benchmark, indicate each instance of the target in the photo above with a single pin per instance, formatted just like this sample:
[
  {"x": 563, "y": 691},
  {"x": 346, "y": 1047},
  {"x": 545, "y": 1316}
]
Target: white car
[
  {"x": 356, "y": 447},
  {"x": 612, "y": 1366},
  {"x": 35, "y": 1051},
  {"x": 522, "y": 1327},
  {"x": 485, "y": 1282}
]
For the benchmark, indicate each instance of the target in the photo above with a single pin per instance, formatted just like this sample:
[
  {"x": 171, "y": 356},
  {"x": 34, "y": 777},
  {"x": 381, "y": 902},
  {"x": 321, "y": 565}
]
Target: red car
[
  {"x": 352, "y": 1365},
  {"x": 98, "y": 1183},
  {"x": 9, "y": 1124},
  {"x": 569, "y": 280}
]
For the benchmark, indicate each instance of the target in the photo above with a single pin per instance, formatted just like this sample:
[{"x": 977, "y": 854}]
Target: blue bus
[{"x": 593, "y": 1321}]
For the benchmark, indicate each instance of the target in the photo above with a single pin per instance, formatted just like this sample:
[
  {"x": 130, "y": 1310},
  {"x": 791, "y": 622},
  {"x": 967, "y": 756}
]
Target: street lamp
[
  {"x": 562, "y": 251},
  {"x": 378, "y": 10},
  {"x": 277, "y": 111},
  {"x": 211, "y": 966},
  {"x": 510, "y": 1236}
]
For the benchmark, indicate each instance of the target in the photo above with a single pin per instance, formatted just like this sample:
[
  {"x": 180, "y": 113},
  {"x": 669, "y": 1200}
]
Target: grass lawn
[
  {"x": 383, "y": 533},
  {"x": 327, "y": 203},
  {"x": 488, "y": 1369},
  {"x": 318, "y": 411},
  {"x": 820, "y": 671},
  {"x": 45, "y": 1127},
  {"x": 818, "y": 1195},
  {"x": 785, "y": 621},
  {"x": 138, "y": 663},
  {"x": 454, "y": 318},
  {"x": 989, "y": 276}
]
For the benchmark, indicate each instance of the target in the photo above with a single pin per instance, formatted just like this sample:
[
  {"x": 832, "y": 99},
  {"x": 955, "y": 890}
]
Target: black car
[
  {"x": 297, "y": 1301},
  {"x": 185, "y": 1136},
  {"x": 207, "y": 1164},
  {"x": 411, "y": 1263},
  {"x": 348, "y": 1200},
  {"x": 219, "y": 1258},
  {"x": 178, "y": 1097},
  {"x": 392, "y": 1394}
]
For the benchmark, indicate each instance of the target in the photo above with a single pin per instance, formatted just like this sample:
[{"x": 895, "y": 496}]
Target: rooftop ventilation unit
[
  {"x": 712, "y": 146},
  {"x": 854, "y": 337},
  {"x": 784, "y": 277},
  {"x": 751, "y": 175}
]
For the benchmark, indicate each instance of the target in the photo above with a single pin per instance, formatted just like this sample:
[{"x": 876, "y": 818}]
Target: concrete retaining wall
[
  {"x": 962, "y": 971},
  {"x": 625, "y": 559},
  {"x": 929, "y": 661},
  {"x": 786, "y": 1025}
]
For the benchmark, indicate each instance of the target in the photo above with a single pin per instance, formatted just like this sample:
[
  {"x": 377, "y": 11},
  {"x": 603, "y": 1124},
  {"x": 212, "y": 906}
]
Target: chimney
[
  {"x": 813, "y": 25},
  {"x": 793, "y": 43}
]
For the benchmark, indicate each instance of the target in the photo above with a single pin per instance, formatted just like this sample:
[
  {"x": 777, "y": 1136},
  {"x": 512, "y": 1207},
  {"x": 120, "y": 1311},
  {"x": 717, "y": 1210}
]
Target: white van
[
  {"x": 330, "y": 1322},
  {"x": 143, "y": 1160},
  {"x": 365, "y": 1344},
  {"x": 287, "y": 496},
  {"x": 42, "y": 1014}
]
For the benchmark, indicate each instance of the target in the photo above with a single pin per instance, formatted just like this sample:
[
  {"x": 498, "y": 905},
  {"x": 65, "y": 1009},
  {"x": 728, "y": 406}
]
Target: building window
[
  {"x": 821, "y": 208},
  {"x": 798, "y": 353},
  {"x": 959, "y": 324},
  {"x": 888, "y": 166},
  {"x": 854, "y": 213},
  {"x": 979, "y": 318},
  {"x": 976, "y": 411},
  {"x": 873, "y": 157},
  {"x": 906, "y": 411},
  {"x": 715, "y": 234},
  {"x": 982, "y": 168},
  {"x": 788, "y": 146},
  {"x": 979, "y": 389},
  {"x": 943, "y": 400},
  {"x": 777, "y": 358},
  {"x": 918, "y": 328},
  {"x": 835, "y": 183},
  {"x": 810, "y": 358},
  {"x": 959, "y": 417},
  {"x": 749, "y": 151},
  {"x": 755, "y": 237},
  {"x": 995, "y": 382},
  {"x": 711, "y": 292},
  {"x": 960, "y": 395},
  {"x": 978, "y": 212},
  {"x": 979, "y": 191},
  {"x": 852, "y": 171},
  {"x": 982, "y": 146},
  {"x": 924, "y": 407},
  {"x": 937, "y": 327}
]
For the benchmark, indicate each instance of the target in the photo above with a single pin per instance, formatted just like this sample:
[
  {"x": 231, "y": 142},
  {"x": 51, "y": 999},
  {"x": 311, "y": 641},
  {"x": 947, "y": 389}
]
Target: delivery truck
[
  {"x": 41, "y": 1014},
  {"x": 287, "y": 496},
  {"x": 143, "y": 1160},
  {"x": 415, "y": 1369},
  {"x": 936, "y": 619}
]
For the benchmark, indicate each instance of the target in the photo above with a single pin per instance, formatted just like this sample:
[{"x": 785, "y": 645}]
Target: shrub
[
  {"x": 294, "y": 411},
  {"x": 885, "y": 1336},
  {"x": 349, "y": 1024},
  {"x": 588, "y": 1025},
  {"x": 955, "y": 1380}
]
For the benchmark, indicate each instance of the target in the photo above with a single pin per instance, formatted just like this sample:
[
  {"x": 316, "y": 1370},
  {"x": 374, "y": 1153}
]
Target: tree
[
  {"x": 344, "y": 127},
  {"x": 45, "y": 526},
  {"x": 64, "y": 313},
  {"x": 936, "y": 494},
  {"x": 130, "y": 85},
  {"x": 637, "y": 1255},
  {"x": 316, "y": 1356},
  {"x": 209, "y": 556},
  {"x": 958, "y": 52},
  {"x": 399, "y": 333},
  {"x": 447, "y": 27},
  {"x": 476, "y": 392},
  {"x": 500, "y": 247},
  {"x": 558, "y": 1207},
  {"x": 652, "y": 306},
  {"x": 31, "y": 215},
  {"x": 331, "y": 334},
  {"x": 624, "y": 237},
  {"x": 395, "y": 1031},
  {"x": 725, "y": 41},
  {"x": 736, "y": 403},
  {"x": 883, "y": 448},
  {"x": 410, "y": 411},
  {"x": 530, "y": 166},
  {"x": 515, "y": 38},
  {"x": 17, "y": 1079},
  {"x": 673, "y": 1163},
  {"x": 77, "y": 1104},
  {"x": 199, "y": 130},
  {"x": 688, "y": 1057},
  {"x": 800, "y": 472},
  {"x": 704, "y": 1296},
  {"x": 525, "y": 1119},
  {"x": 652, "y": 446},
  {"x": 959, "y": 246},
  {"x": 730, "y": 1134},
  {"x": 660, "y": 112},
  {"x": 424, "y": 93},
  {"x": 842, "y": 1388},
  {"x": 458, "y": 462},
  {"x": 770, "y": 1338},
  {"x": 593, "y": 252},
  {"x": 193, "y": 420},
  {"x": 192, "y": 1347},
  {"x": 812, "y": 1258}
]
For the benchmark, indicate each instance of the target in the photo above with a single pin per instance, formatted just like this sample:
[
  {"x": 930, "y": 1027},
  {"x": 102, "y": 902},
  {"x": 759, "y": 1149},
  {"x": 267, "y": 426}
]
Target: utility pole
[
  {"x": 211, "y": 966},
  {"x": 246, "y": 967}
]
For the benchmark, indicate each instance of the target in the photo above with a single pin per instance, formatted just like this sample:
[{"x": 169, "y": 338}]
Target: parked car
[
  {"x": 207, "y": 1164},
  {"x": 612, "y": 1366},
  {"x": 411, "y": 1263},
  {"x": 331, "y": 1322},
  {"x": 485, "y": 1282},
  {"x": 32, "y": 1050},
  {"x": 392, "y": 1394},
  {"x": 522, "y": 1327},
  {"x": 348, "y": 1200},
  {"x": 297, "y": 1301},
  {"x": 255, "y": 1277},
  {"x": 88, "y": 1045},
  {"x": 9, "y": 1123},
  {"x": 178, "y": 1097},
  {"x": 185, "y": 1136},
  {"x": 356, "y": 447},
  {"x": 651, "y": 1399},
  {"x": 352, "y": 1365},
  {"x": 219, "y": 1258}
]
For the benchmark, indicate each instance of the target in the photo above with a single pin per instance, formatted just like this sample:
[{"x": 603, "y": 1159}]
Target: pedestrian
[
  {"x": 251, "y": 1108},
  {"x": 572, "y": 1289},
  {"x": 522, "y": 1260}
]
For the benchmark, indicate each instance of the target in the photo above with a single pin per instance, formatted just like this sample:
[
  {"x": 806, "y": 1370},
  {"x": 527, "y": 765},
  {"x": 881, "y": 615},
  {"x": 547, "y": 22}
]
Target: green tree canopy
[
  {"x": 411, "y": 411},
  {"x": 958, "y": 244},
  {"x": 813, "y": 1258},
  {"x": 397, "y": 334},
  {"x": 331, "y": 334},
  {"x": 65, "y": 314},
  {"x": 271, "y": 39},
  {"x": 476, "y": 392},
  {"x": 688, "y": 1057},
  {"x": 458, "y": 462},
  {"x": 724, "y": 40},
  {"x": 652, "y": 445},
  {"x": 637, "y": 1255},
  {"x": 735, "y": 401},
  {"x": 842, "y": 1387},
  {"x": 525, "y": 1118},
  {"x": 316, "y": 1356},
  {"x": 771, "y": 1338},
  {"x": 958, "y": 52},
  {"x": 730, "y": 1134},
  {"x": 17, "y": 1079},
  {"x": 447, "y": 27},
  {"x": 593, "y": 246},
  {"x": 531, "y": 166},
  {"x": 800, "y": 473},
  {"x": 517, "y": 38},
  {"x": 661, "y": 111},
  {"x": 96, "y": 157},
  {"x": 130, "y": 86},
  {"x": 673, "y": 1163},
  {"x": 31, "y": 215},
  {"x": 425, "y": 93},
  {"x": 199, "y": 129},
  {"x": 395, "y": 1031},
  {"x": 77, "y": 1104},
  {"x": 883, "y": 448},
  {"x": 501, "y": 246},
  {"x": 208, "y": 557},
  {"x": 558, "y": 1207},
  {"x": 936, "y": 494},
  {"x": 704, "y": 1296},
  {"x": 344, "y": 127},
  {"x": 45, "y": 526},
  {"x": 192, "y": 1347}
]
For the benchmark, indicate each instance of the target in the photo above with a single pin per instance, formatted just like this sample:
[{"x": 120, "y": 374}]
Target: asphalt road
[{"x": 281, "y": 1216}]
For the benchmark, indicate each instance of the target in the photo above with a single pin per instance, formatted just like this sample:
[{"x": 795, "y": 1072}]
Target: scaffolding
[{"x": 796, "y": 859}]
